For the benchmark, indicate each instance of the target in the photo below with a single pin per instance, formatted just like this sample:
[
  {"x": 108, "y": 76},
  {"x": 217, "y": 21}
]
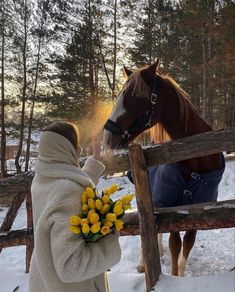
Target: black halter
[{"x": 142, "y": 123}]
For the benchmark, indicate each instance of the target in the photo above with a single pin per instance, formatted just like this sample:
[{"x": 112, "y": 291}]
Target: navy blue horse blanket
[{"x": 170, "y": 188}]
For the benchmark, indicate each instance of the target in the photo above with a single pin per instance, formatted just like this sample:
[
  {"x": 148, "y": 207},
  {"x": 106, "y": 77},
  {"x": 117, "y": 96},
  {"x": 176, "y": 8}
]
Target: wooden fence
[{"x": 145, "y": 222}]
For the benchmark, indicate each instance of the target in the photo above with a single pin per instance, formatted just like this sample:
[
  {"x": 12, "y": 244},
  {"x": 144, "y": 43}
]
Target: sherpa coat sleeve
[{"x": 74, "y": 260}]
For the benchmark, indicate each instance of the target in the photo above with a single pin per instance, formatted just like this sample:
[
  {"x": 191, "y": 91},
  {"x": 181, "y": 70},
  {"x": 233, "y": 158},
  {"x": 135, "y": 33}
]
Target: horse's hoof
[{"x": 140, "y": 269}]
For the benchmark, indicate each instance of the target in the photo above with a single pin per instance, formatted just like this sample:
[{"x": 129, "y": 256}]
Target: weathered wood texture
[
  {"x": 148, "y": 228},
  {"x": 15, "y": 237},
  {"x": 30, "y": 243},
  {"x": 12, "y": 213},
  {"x": 172, "y": 151},
  {"x": 16, "y": 184},
  {"x": 199, "y": 217},
  {"x": 177, "y": 150}
]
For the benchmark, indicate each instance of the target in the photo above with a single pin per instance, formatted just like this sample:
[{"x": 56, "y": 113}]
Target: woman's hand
[{"x": 96, "y": 146}]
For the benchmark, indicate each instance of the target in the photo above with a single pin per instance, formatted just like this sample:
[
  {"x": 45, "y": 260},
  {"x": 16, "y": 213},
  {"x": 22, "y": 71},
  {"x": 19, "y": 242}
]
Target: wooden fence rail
[
  {"x": 214, "y": 215},
  {"x": 177, "y": 150},
  {"x": 204, "y": 216},
  {"x": 172, "y": 151}
]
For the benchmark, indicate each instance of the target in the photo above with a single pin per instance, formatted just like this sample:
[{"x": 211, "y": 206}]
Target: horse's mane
[
  {"x": 158, "y": 133},
  {"x": 138, "y": 85}
]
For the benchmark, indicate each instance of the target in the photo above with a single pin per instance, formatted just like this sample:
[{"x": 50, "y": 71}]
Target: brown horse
[{"x": 151, "y": 100}]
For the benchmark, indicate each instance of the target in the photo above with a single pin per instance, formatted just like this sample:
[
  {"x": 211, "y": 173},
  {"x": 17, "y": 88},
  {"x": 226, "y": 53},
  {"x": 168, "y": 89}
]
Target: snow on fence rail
[{"x": 201, "y": 216}]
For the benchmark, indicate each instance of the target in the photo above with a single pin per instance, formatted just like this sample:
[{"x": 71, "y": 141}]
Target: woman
[{"x": 62, "y": 261}]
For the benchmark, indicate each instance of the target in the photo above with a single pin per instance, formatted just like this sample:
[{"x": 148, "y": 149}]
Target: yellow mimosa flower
[
  {"x": 118, "y": 224},
  {"x": 105, "y": 209},
  {"x": 75, "y": 220},
  {"x": 91, "y": 203},
  {"x": 105, "y": 230},
  {"x": 98, "y": 204},
  {"x": 113, "y": 189},
  {"x": 84, "y": 197},
  {"x": 108, "y": 223},
  {"x": 85, "y": 207},
  {"x": 95, "y": 227},
  {"x": 85, "y": 228},
  {"x": 106, "y": 199},
  {"x": 75, "y": 229},
  {"x": 90, "y": 193},
  {"x": 94, "y": 218},
  {"x": 111, "y": 217},
  {"x": 118, "y": 210},
  {"x": 84, "y": 221}
]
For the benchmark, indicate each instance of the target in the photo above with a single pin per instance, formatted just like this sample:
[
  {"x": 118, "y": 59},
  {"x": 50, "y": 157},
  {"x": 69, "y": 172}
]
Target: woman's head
[{"x": 67, "y": 130}]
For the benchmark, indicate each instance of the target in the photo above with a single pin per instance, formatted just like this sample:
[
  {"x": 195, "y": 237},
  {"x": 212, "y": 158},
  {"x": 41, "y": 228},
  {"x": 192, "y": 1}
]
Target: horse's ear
[
  {"x": 127, "y": 71},
  {"x": 150, "y": 71}
]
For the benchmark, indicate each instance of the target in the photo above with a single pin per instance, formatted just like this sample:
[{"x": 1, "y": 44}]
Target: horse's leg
[
  {"x": 140, "y": 266},
  {"x": 175, "y": 247},
  {"x": 188, "y": 242}
]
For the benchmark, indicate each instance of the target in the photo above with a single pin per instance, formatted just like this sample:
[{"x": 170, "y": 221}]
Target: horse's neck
[{"x": 196, "y": 125}]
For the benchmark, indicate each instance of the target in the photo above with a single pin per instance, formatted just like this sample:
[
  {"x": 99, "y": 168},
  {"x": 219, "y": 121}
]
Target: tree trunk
[
  {"x": 114, "y": 49},
  {"x": 204, "y": 85},
  {"x": 210, "y": 85},
  {"x": 3, "y": 130},
  {"x": 22, "y": 120},
  {"x": 91, "y": 61},
  {"x": 150, "y": 31},
  {"x": 27, "y": 155},
  {"x": 104, "y": 63}
]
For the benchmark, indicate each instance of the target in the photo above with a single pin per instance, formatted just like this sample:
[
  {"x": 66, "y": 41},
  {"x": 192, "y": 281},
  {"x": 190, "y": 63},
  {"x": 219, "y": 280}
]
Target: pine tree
[{"x": 3, "y": 131}]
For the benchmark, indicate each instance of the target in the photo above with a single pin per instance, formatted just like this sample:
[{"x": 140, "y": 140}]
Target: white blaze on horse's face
[
  {"x": 117, "y": 112},
  {"x": 118, "y": 109}
]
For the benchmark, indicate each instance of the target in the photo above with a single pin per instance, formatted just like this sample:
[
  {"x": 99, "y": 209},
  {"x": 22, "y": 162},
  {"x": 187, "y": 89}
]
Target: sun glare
[{"x": 92, "y": 127}]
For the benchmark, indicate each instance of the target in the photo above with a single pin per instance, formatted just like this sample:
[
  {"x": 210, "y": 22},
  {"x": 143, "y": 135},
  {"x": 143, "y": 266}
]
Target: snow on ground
[{"x": 208, "y": 268}]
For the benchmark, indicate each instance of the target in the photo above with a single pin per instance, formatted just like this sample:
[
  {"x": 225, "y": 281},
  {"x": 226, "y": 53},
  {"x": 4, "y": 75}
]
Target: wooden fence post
[
  {"x": 148, "y": 227},
  {"x": 30, "y": 242},
  {"x": 12, "y": 213}
]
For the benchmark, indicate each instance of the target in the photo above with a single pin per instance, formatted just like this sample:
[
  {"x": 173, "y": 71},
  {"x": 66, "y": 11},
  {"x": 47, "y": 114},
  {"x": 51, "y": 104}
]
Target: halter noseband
[{"x": 140, "y": 124}]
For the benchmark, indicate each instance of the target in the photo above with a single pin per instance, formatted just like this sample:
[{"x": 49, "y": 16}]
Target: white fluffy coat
[{"x": 62, "y": 261}]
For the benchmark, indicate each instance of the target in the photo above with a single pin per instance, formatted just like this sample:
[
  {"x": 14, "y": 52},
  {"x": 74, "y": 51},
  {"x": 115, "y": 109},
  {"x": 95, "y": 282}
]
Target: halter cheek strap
[{"x": 143, "y": 123}]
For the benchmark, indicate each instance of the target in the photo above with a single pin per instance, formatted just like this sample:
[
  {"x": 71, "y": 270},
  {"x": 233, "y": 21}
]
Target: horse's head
[{"x": 135, "y": 109}]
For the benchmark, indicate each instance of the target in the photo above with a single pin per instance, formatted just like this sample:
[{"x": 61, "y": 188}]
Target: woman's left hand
[{"x": 96, "y": 146}]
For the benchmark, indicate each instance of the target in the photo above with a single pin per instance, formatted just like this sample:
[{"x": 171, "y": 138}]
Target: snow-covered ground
[{"x": 208, "y": 268}]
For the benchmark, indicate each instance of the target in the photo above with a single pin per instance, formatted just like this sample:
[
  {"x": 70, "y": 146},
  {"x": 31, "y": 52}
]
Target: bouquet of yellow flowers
[{"x": 100, "y": 215}]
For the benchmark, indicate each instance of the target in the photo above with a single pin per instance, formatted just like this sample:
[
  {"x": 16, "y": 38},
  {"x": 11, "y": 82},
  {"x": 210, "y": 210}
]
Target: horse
[{"x": 151, "y": 100}]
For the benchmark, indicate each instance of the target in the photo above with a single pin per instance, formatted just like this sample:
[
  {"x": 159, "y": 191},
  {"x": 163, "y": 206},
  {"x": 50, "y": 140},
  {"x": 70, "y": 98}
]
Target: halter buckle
[
  {"x": 125, "y": 135},
  {"x": 195, "y": 175},
  {"x": 187, "y": 193},
  {"x": 153, "y": 98},
  {"x": 148, "y": 124}
]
